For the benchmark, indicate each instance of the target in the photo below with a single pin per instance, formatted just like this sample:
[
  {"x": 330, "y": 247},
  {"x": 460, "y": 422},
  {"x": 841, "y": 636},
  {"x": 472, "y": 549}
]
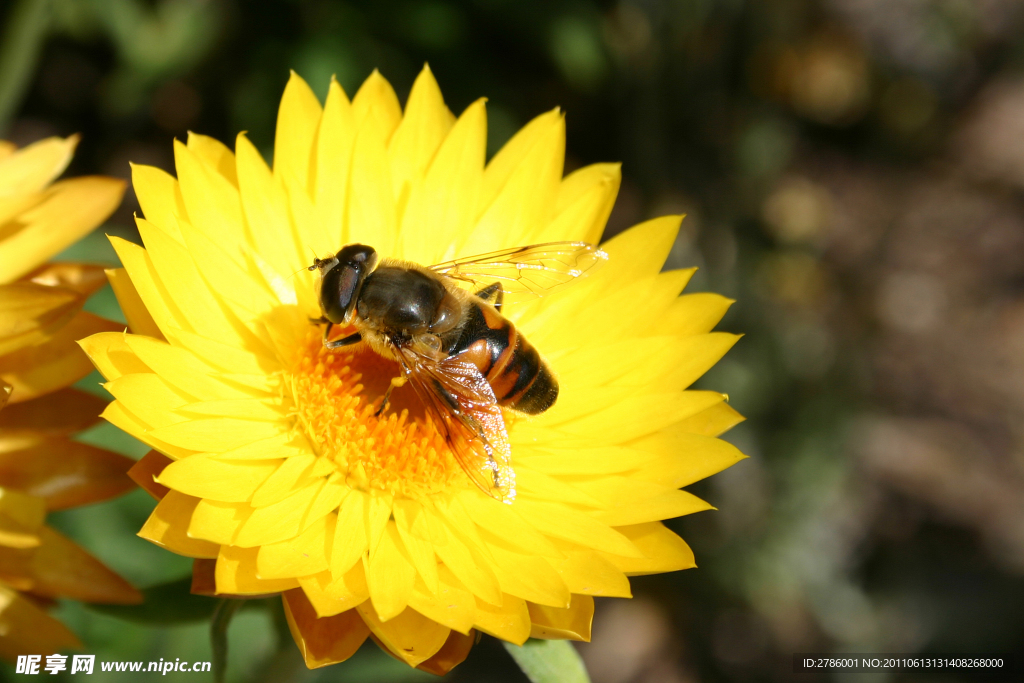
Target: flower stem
[{"x": 219, "y": 636}]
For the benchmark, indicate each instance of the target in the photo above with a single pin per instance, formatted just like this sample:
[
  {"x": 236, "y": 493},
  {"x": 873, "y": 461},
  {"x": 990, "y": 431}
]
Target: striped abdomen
[{"x": 517, "y": 375}]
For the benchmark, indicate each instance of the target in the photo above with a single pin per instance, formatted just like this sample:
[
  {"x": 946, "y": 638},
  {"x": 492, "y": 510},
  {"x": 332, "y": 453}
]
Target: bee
[{"x": 444, "y": 327}]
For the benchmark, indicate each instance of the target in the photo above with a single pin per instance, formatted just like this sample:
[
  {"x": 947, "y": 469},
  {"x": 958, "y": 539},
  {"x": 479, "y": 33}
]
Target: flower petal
[
  {"x": 65, "y": 473},
  {"x": 61, "y": 413},
  {"x": 663, "y": 550},
  {"x": 69, "y": 210},
  {"x": 410, "y": 636},
  {"x": 135, "y": 312},
  {"x": 27, "y": 628},
  {"x": 323, "y": 640},
  {"x": 297, "y": 121},
  {"x": 35, "y": 166},
  {"x": 236, "y": 574},
  {"x": 452, "y": 653},
  {"x": 168, "y": 526},
  {"x": 570, "y": 623}
]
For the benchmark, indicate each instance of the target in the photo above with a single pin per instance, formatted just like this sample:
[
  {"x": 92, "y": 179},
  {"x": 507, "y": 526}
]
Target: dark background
[{"x": 852, "y": 171}]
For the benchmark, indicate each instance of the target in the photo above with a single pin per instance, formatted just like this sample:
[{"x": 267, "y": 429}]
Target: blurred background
[{"x": 853, "y": 175}]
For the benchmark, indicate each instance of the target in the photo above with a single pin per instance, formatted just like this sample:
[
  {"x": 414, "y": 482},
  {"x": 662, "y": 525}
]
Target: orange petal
[
  {"x": 63, "y": 412},
  {"x": 84, "y": 278},
  {"x": 323, "y": 640},
  {"x": 27, "y": 629},
  {"x": 65, "y": 473},
  {"x": 555, "y": 623},
  {"x": 38, "y": 370},
  {"x": 204, "y": 577},
  {"x": 452, "y": 653},
  {"x": 62, "y": 569},
  {"x": 149, "y": 466}
]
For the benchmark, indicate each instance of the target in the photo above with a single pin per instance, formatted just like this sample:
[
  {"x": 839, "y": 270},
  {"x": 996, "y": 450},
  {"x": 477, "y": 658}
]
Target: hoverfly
[{"x": 444, "y": 327}]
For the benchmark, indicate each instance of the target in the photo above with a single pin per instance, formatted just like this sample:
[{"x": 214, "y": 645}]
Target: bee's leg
[
  {"x": 494, "y": 292},
  {"x": 319, "y": 321},
  {"x": 395, "y": 383},
  {"x": 344, "y": 341}
]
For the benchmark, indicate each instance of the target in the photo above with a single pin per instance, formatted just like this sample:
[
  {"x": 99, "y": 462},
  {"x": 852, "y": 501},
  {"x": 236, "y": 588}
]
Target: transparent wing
[
  {"x": 526, "y": 272},
  {"x": 462, "y": 406}
]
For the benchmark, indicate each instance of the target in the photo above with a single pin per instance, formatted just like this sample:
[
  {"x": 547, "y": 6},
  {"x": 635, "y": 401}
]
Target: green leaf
[
  {"x": 167, "y": 603},
  {"x": 549, "y": 661}
]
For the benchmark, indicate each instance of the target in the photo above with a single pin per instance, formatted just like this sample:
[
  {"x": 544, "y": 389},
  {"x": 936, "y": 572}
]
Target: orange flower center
[{"x": 337, "y": 394}]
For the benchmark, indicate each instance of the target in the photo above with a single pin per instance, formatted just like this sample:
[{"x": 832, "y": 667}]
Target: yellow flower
[
  {"x": 275, "y": 472},
  {"x": 41, "y": 468}
]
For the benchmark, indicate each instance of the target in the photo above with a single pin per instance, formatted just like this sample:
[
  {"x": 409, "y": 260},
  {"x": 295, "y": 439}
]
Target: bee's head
[{"x": 341, "y": 278}]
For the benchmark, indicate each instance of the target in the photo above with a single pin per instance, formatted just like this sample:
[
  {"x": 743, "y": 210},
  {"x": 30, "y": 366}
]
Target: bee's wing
[
  {"x": 461, "y": 403},
  {"x": 526, "y": 272}
]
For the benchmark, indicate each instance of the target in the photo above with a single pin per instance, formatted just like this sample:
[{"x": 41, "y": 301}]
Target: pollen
[{"x": 337, "y": 394}]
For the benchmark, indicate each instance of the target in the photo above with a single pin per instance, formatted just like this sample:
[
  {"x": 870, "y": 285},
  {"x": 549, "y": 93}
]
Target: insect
[{"x": 444, "y": 327}]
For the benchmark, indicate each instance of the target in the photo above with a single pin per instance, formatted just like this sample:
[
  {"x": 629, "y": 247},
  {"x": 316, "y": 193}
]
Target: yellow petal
[
  {"x": 588, "y": 573},
  {"x": 266, "y": 211},
  {"x": 278, "y": 522},
  {"x": 297, "y": 121},
  {"x": 684, "y": 457},
  {"x": 236, "y": 574},
  {"x": 323, "y": 640},
  {"x": 695, "y": 313},
  {"x": 662, "y": 550},
  {"x": 218, "y": 522},
  {"x": 69, "y": 210},
  {"x": 135, "y": 312},
  {"x": 38, "y": 370},
  {"x": 228, "y": 481},
  {"x": 559, "y": 521},
  {"x": 350, "y": 541},
  {"x": 35, "y": 166},
  {"x": 410, "y": 636},
  {"x": 446, "y": 198},
  {"x": 371, "y": 211},
  {"x": 376, "y": 100},
  {"x": 712, "y": 421},
  {"x": 304, "y": 555},
  {"x": 149, "y": 398},
  {"x": 526, "y": 199},
  {"x": 390, "y": 575},
  {"x": 425, "y": 124},
  {"x": 168, "y": 526},
  {"x": 450, "y": 605},
  {"x": 334, "y": 143},
  {"x": 510, "y": 621},
  {"x": 216, "y": 154},
  {"x": 145, "y": 470},
  {"x": 570, "y": 623},
  {"x": 638, "y": 415},
  {"x": 285, "y": 478},
  {"x": 329, "y": 597},
  {"x": 585, "y": 200},
  {"x": 529, "y": 577},
  {"x": 469, "y": 567},
  {"x": 110, "y": 353},
  {"x": 154, "y": 295},
  {"x": 160, "y": 197}
]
